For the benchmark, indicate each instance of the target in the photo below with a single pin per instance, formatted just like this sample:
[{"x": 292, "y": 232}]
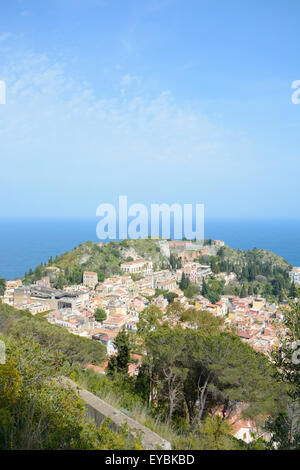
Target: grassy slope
[
  {"x": 242, "y": 257},
  {"x": 109, "y": 256}
]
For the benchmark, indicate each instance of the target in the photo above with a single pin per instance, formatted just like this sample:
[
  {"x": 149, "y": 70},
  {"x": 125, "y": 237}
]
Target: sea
[{"x": 25, "y": 243}]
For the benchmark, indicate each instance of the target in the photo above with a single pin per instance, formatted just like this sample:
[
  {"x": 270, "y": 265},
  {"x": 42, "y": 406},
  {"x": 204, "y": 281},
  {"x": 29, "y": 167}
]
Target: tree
[
  {"x": 100, "y": 315},
  {"x": 175, "y": 310},
  {"x": 60, "y": 282},
  {"x": 165, "y": 350},
  {"x": 215, "y": 434},
  {"x": 202, "y": 320},
  {"x": 38, "y": 411},
  {"x": 224, "y": 371},
  {"x": 204, "y": 290},
  {"x": 213, "y": 290},
  {"x": 213, "y": 296},
  {"x": 191, "y": 290},
  {"x": 2, "y": 285},
  {"x": 170, "y": 296},
  {"x": 111, "y": 369},
  {"x": 175, "y": 262},
  {"x": 184, "y": 283},
  {"x": 243, "y": 292},
  {"x": 122, "y": 344},
  {"x": 119, "y": 364},
  {"x": 207, "y": 370},
  {"x": 285, "y": 427},
  {"x": 74, "y": 348},
  {"x": 149, "y": 319},
  {"x": 213, "y": 260},
  {"x": 293, "y": 290}
]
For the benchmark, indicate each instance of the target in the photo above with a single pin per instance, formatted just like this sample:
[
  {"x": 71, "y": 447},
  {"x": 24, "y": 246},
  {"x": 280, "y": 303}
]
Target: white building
[{"x": 138, "y": 266}]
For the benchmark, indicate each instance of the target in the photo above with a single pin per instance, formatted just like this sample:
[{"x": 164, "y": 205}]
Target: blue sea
[{"x": 26, "y": 243}]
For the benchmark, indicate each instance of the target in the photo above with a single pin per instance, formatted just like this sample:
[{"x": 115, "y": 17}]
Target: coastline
[{"x": 24, "y": 244}]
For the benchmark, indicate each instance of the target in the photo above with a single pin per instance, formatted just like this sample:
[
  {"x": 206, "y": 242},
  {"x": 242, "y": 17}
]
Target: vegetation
[
  {"x": 258, "y": 272},
  {"x": 2, "y": 286},
  {"x": 37, "y": 410},
  {"x": 100, "y": 315},
  {"x": 285, "y": 426},
  {"x": 186, "y": 376},
  {"x": 21, "y": 324},
  {"x": 170, "y": 296},
  {"x": 191, "y": 374},
  {"x": 191, "y": 379},
  {"x": 118, "y": 364},
  {"x": 103, "y": 258},
  {"x": 212, "y": 289},
  {"x": 202, "y": 320}
]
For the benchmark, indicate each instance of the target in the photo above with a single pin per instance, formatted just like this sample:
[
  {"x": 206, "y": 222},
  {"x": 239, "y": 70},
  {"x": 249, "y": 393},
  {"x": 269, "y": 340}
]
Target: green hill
[{"x": 103, "y": 258}]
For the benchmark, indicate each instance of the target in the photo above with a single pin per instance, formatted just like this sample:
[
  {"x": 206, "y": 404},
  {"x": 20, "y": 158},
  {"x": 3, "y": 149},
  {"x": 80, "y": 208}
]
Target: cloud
[
  {"x": 5, "y": 36},
  {"x": 25, "y": 13},
  {"x": 61, "y": 138},
  {"x": 41, "y": 96},
  {"x": 128, "y": 79}
]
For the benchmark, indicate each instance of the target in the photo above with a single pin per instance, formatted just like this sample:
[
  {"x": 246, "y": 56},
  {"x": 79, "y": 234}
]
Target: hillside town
[
  {"x": 121, "y": 299},
  {"x": 124, "y": 296}
]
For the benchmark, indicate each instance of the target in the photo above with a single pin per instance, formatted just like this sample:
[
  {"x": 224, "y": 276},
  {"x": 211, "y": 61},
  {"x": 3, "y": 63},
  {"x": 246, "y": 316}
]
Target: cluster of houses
[
  {"x": 123, "y": 297},
  {"x": 256, "y": 322}
]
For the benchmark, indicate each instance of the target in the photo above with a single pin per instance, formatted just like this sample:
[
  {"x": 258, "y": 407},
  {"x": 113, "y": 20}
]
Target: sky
[{"x": 164, "y": 101}]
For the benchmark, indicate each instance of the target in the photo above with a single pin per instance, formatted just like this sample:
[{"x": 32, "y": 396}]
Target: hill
[
  {"x": 257, "y": 271},
  {"x": 103, "y": 258}
]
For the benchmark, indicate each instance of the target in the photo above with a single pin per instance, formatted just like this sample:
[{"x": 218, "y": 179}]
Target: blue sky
[{"x": 183, "y": 101}]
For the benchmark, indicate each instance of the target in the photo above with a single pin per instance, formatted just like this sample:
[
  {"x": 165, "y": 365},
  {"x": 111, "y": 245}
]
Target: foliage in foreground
[
  {"x": 21, "y": 324},
  {"x": 285, "y": 427},
  {"x": 38, "y": 412}
]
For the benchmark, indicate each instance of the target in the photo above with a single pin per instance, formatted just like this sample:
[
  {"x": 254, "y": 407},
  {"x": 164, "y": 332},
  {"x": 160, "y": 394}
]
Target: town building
[
  {"x": 90, "y": 279},
  {"x": 138, "y": 266}
]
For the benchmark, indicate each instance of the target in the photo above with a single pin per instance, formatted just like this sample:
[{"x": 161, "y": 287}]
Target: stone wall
[{"x": 98, "y": 410}]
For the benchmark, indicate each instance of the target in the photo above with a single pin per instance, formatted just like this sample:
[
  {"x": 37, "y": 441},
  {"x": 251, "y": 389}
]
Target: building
[
  {"x": 295, "y": 275},
  {"x": 168, "y": 284},
  {"x": 45, "y": 282},
  {"x": 107, "y": 339},
  {"x": 138, "y": 266},
  {"x": 37, "y": 307},
  {"x": 52, "y": 271},
  {"x": 52, "y": 297},
  {"x": 258, "y": 302},
  {"x": 219, "y": 243},
  {"x": 21, "y": 295},
  {"x": 90, "y": 279},
  {"x": 13, "y": 284}
]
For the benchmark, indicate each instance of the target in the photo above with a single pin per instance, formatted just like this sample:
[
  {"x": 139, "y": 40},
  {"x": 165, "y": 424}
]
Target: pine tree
[
  {"x": 204, "y": 289},
  {"x": 184, "y": 283},
  {"x": 285, "y": 427},
  {"x": 119, "y": 363}
]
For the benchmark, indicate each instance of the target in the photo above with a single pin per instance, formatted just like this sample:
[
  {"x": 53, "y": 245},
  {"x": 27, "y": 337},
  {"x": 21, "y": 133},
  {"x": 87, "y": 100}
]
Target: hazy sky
[{"x": 160, "y": 100}]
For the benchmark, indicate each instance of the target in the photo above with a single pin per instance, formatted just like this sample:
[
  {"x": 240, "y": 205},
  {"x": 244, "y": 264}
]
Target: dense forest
[{"x": 258, "y": 272}]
